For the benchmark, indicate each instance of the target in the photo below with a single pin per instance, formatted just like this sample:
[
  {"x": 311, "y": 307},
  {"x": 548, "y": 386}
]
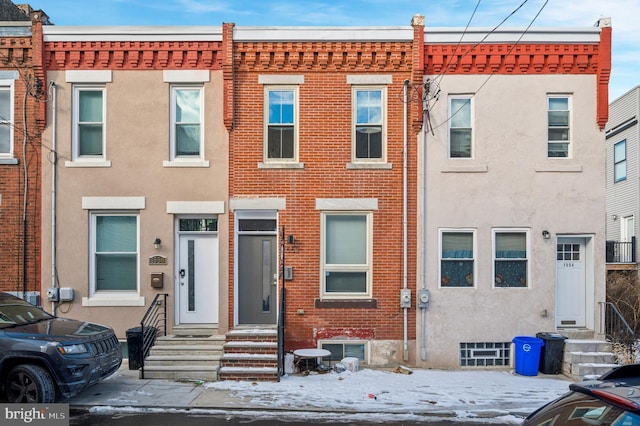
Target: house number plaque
[{"x": 157, "y": 260}]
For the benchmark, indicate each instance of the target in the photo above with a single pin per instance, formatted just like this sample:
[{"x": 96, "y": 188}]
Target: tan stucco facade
[
  {"x": 509, "y": 183},
  {"x": 137, "y": 167}
]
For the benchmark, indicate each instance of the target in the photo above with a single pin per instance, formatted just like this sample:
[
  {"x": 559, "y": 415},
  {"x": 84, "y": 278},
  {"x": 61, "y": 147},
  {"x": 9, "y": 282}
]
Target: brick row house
[
  {"x": 22, "y": 117},
  {"x": 395, "y": 194}
]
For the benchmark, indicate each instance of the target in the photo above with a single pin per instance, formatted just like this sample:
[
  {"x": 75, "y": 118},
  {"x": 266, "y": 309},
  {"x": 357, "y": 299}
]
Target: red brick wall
[{"x": 325, "y": 149}]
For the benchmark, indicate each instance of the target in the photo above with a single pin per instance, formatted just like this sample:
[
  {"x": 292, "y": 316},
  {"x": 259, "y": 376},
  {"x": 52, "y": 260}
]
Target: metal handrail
[
  {"x": 621, "y": 251},
  {"x": 152, "y": 324},
  {"x": 615, "y": 328}
]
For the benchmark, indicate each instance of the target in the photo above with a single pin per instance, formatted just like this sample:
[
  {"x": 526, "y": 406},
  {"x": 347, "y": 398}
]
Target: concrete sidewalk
[{"x": 427, "y": 393}]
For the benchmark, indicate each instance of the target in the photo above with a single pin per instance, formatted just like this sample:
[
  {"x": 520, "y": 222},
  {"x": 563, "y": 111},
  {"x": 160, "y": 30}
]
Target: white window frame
[
  {"x": 367, "y": 267},
  {"x": 354, "y": 122},
  {"x": 92, "y": 255},
  {"x": 77, "y": 88},
  {"x": 568, "y": 142},
  {"x": 187, "y": 159},
  {"x": 344, "y": 342},
  {"x": 451, "y": 114},
  {"x": 527, "y": 259},
  {"x": 276, "y": 88},
  {"x": 441, "y": 233},
  {"x": 618, "y": 161},
  {"x": 9, "y": 85}
]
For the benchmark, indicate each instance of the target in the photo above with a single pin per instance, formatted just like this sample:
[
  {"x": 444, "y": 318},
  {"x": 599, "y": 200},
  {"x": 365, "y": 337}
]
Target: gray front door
[{"x": 257, "y": 279}]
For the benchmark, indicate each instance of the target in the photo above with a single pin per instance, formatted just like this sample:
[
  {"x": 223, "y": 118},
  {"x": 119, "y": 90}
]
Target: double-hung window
[
  {"x": 114, "y": 252},
  {"x": 620, "y": 161},
  {"x": 6, "y": 119},
  {"x": 281, "y": 124},
  {"x": 559, "y": 131},
  {"x": 346, "y": 254},
  {"x": 510, "y": 258},
  {"x": 460, "y": 126},
  {"x": 89, "y": 123},
  {"x": 457, "y": 258},
  {"x": 187, "y": 133},
  {"x": 369, "y": 124}
]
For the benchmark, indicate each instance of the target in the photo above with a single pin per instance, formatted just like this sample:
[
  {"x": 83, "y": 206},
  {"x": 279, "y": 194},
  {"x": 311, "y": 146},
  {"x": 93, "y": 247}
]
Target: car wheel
[{"x": 30, "y": 384}]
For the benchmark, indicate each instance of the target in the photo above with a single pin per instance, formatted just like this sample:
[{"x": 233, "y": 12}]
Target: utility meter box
[
  {"x": 66, "y": 294},
  {"x": 405, "y": 298}
]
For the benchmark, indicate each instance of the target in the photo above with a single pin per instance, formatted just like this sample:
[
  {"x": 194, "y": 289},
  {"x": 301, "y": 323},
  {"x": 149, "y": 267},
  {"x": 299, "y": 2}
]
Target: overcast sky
[{"x": 438, "y": 13}]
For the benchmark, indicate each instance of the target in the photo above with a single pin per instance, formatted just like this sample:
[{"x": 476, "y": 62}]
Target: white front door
[
  {"x": 571, "y": 284},
  {"x": 197, "y": 276}
]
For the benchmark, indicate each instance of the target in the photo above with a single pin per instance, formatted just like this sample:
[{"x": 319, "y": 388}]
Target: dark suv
[
  {"x": 612, "y": 399},
  {"x": 42, "y": 356}
]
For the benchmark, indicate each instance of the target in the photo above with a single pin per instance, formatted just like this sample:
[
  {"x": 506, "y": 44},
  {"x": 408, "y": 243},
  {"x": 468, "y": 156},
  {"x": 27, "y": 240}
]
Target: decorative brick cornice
[
  {"x": 322, "y": 56},
  {"x": 130, "y": 55}
]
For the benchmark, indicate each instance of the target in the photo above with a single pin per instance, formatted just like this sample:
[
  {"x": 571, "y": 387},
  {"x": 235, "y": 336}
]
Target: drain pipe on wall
[
  {"x": 405, "y": 294},
  {"x": 423, "y": 293},
  {"x": 54, "y": 183}
]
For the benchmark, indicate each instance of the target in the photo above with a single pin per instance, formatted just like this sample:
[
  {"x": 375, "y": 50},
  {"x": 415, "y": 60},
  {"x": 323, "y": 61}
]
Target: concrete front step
[
  {"x": 181, "y": 340},
  {"x": 585, "y": 359},
  {"x": 204, "y": 330},
  {"x": 177, "y": 360},
  {"x": 182, "y": 373},
  {"x": 590, "y": 357},
  {"x": 258, "y": 374},
  {"x": 580, "y": 345},
  {"x": 586, "y": 371},
  {"x": 186, "y": 349}
]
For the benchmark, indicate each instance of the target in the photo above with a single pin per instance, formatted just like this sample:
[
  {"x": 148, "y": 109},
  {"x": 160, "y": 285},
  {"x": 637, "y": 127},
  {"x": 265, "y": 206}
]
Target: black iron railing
[
  {"x": 153, "y": 323},
  {"x": 621, "y": 251},
  {"x": 615, "y": 328}
]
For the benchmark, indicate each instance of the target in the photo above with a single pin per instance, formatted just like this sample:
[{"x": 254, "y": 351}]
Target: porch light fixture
[
  {"x": 546, "y": 235},
  {"x": 156, "y": 243}
]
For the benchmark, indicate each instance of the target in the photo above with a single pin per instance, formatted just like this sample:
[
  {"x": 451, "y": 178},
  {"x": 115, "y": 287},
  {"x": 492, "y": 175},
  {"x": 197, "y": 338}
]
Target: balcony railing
[{"x": 621, "y": 251}]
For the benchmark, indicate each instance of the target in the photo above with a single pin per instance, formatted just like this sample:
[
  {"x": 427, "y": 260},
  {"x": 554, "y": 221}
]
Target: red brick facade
[{"x": 20, "y": 205}]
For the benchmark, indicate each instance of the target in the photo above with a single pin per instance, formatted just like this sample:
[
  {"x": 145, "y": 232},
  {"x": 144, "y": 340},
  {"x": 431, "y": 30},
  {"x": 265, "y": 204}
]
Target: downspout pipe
[
  {"x": 405, "y": 218},
  {"x": 54, "y": 183}
]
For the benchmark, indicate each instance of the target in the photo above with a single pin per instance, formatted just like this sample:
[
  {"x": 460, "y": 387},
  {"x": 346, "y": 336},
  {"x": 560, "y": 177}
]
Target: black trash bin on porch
[
  {"x": 135, "y": 345},
  {"x": 552, "y": 352}
]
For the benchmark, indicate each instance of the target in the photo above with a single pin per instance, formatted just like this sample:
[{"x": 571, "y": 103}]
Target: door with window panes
[{"x": 570, "y": 282}]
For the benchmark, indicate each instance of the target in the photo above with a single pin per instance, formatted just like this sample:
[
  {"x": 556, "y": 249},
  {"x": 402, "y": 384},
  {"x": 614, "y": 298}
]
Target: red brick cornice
[
  {"x": 322, "y": 56},
  {"x": 152, "y": 55}
]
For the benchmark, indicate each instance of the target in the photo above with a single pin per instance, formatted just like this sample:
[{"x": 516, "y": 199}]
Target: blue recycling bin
[{"x": 528, "y": 351}]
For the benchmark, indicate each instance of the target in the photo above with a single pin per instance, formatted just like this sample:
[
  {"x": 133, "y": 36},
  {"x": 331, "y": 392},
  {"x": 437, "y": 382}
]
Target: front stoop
[
  {"x": 190, "y": 354},
  {"x": 587, "y": 359},
  {"x": 250, "y": 354}
]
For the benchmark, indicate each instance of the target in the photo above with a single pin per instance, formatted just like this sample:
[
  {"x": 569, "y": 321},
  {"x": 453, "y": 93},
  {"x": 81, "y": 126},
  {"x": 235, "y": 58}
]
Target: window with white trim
[
  {"x": 346, "y": 254},
  {"x": 460, "y": 126},
  {"x": 369, "y": 123},
  {"x": 559, "y": 122},
  {"x": 6, "y": 118},
  {"x": 341, "y": 349},
  {"x": 620, "y": 161},
  {"x": 89, "y": 112},
  {"x": 281, "y": 123},
  {"x": 114, "y": 257},
  {"x": 511, "y": 257},
  {"x": 187, "y": 133},
  {"x": 457, "y": 258}
]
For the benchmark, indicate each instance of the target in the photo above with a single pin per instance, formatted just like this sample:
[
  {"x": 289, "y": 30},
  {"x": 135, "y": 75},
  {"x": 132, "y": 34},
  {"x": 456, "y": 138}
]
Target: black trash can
[
  {"x": 134, "y": 347},
  {"x": 552, "y": 351}
]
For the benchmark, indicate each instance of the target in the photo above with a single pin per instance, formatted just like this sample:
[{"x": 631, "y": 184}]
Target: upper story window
[
  {"x": 281, "y": 140},
  {"x": 620, "y": 161},
  {"x": 457, "y": 258},
  {"x": 369, "y": 124},
  {"x": 559, "y": 126},
  {"x": 187, "y": 137},
  {"x": 6, "y": 119},
  {"x": 89, "y": 114},
  {"x": 511, "y": 258},
  {"x": 346, "y": 254},
  {"x": 460, "y": 127}
]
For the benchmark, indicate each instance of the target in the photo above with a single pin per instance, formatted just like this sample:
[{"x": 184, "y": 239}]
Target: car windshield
[{"x": 15, "y": 313}]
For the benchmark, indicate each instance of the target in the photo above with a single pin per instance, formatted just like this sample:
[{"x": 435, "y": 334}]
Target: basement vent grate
[{"x": 485, "y": 354}]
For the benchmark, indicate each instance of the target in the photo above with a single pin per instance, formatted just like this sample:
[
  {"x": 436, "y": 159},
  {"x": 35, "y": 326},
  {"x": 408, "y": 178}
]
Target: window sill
[
  {"x": 185, "y": 163},
  {"x": 369, "y": 166},
  {"x": 481, "y": 168},
  {"x": 347, "y": 303},
  {"x": 113, "y": 300},
  {"x": 292, "y": 165},
  {"x": 97, "y": 163},
  {"x": 8, "y": 161},
  {"x": 562, "y": 168}
]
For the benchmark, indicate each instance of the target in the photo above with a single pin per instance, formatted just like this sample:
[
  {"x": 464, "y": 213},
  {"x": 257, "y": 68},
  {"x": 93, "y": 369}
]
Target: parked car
[
  {"x": 612, "y": 399},
  {"x": 43, "y": 357}
]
